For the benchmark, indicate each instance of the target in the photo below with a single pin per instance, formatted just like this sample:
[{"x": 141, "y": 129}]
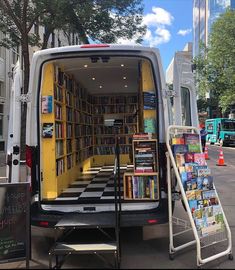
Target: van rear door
[{"x": 13, "y": 142}]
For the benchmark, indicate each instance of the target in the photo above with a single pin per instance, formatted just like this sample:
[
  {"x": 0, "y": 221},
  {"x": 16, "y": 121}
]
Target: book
[
  {"x": 197, "y": 213},
  {"x": 203, "y": 172},
  {"x": 199, "y": 158},
  {"x": 184, "y": 179},
  {"x": 46, "y": 104},
  {"x": 191, "y": 139},
  {"x": 129, "y": 187},
  {"x": 179, "y": 148},
  {"x": 189, "y": 175},
  {"x": 207, "y": 194},
  {"x": 177, "y": 140},
  {"x": 189, "y": 167},
  {"x": 200, "y": 204},
  {"x": 199, "y": 182},
  {"x": 207, "y": 182},
  {"x": 194, "y": 148},
  {"x": 192, "y": 205},
  {"x": 190, "y": 194},
  {"x": 207, "y": 211},
  {"x": 198, "y": 194},
  {"x": 191, "y": 184},
  {"x": 179, "y": 158},
  {"x": 47, "y": 130},
  {"x": 189, "y": 157}
]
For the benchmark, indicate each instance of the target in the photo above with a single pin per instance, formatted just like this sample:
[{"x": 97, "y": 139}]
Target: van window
[
  {"x": 185, "y": 106},
  {"x": 210, "y": 128},
  {"x": 228, "y": 125}
]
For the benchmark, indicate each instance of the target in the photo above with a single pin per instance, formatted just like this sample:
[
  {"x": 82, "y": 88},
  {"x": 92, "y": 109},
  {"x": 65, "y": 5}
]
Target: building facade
[{"x": 205, "y": 12}]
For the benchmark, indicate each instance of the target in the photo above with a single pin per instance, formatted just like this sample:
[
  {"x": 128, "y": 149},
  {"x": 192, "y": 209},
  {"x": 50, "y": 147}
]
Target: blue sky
[{"x": 169, "y": 24}]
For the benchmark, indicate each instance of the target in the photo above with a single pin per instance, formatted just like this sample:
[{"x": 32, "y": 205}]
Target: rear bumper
[{"x": 128, "y": 219}]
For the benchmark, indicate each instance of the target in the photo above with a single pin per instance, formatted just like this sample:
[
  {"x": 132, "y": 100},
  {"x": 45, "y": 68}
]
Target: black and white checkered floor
[{"x": 95, "y": 184}]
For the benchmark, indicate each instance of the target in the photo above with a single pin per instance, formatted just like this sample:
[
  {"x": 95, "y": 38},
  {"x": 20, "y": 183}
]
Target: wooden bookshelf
[
  {"x": 143, "y": 182},
  {"x": 145, "y": 156},
  {"x": 141, "y": 186},
  {"x": 122, "y": 107}
]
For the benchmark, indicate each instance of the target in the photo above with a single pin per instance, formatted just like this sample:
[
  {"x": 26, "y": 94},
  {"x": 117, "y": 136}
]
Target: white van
[{"x": 77, "y": 95}]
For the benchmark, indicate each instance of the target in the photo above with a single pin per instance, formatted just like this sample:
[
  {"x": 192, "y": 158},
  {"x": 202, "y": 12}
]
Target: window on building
[
  {"x": 15, "y": 54},
  {"x": 1, "y": 123},
  {"x": 36, "y": 28},
  {"x": 2, "y": 49},
  {"x": 53, "y": 40},
  {"x": 186, "y": 107},
  {"x": 2, "y": 90}
]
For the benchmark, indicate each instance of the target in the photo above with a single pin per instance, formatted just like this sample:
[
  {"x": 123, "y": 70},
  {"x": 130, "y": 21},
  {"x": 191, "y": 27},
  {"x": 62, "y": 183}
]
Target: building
[
  {"x": 8, "y": 58},
  {"x": 205, "y": 12}
]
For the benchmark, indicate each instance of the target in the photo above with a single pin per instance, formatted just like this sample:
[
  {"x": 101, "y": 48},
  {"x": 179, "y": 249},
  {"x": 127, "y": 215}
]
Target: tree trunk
[
  {"x": 26, "y": 68},
  {"x": 46, "y": 38}
]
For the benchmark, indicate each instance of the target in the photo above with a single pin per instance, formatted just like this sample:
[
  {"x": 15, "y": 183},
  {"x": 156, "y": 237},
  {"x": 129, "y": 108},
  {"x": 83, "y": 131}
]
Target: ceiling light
[
  {"x": 124, "y": 78},
  {"x": 93, "y": 78},
  {"x": 122, "y": 65},
  {"x": 101, "y": 86},
  {"x": 85, "y": 66},
  {"x": 126, "y": 86}
]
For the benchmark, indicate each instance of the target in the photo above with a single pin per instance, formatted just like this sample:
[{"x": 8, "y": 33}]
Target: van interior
[{"x": 86, "y": 105}]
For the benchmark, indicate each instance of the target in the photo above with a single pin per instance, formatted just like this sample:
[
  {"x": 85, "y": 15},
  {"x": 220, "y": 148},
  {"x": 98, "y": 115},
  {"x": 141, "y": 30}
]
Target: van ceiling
[{"x": 104, "y": 74}]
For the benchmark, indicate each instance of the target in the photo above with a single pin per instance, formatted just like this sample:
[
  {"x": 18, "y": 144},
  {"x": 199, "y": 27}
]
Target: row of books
[
  {"x": 142, "y": 136},
  {"x": 141, "y": 187},
  {"x": 60, "y": 166},
  {"x": 110, "y": 150},
  {"x": 115, "y": 99},
  {"x": 144, "y": 154},
  {"x": 110, "y": 108}
]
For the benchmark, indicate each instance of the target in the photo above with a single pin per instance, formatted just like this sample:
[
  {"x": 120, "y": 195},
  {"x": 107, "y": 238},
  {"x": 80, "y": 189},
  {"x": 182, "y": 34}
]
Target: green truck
[{"x": 220, "y": 130}]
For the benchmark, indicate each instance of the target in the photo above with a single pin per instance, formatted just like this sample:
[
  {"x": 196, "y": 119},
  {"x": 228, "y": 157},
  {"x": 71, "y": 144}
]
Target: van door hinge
[{"x": 24, "y": 98}]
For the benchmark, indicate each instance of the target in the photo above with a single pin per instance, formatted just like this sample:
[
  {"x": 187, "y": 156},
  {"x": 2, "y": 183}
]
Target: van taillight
[{"x": 29, "y": 162}]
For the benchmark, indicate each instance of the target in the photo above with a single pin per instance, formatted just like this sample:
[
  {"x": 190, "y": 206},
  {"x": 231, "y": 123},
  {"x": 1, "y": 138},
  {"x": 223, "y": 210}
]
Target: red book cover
[{"x": 189, "y": 157}]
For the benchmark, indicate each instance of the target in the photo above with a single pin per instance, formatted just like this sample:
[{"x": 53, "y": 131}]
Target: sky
[{"x": 169, "y": 26}]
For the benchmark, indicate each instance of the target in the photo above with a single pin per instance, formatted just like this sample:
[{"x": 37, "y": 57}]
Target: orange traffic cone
[
  {"x": 206, "y": 153},
  {"x": 221, "y": 158}
]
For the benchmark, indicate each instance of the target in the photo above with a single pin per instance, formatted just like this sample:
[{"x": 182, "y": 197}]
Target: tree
[
  {"x": 215, "y": 65},
  {"x": 95, "y": 20}
]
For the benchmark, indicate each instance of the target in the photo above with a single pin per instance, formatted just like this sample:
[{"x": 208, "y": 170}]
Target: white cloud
[
  {"x": 156, "y": 23},
  {"x": 184, "y": 32},
  {"x": 159, "y": 36},
  {"x": 159, "y": 16}
]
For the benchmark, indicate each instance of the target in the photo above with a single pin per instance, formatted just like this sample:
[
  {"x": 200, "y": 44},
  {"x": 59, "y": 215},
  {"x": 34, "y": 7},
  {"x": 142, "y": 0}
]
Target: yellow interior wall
[
  {"x": 49, "y": 184},
  {"x": 147, "y": 78},
  {"x": 102, "y": 160},
  {"x": 52, "y": 184}
]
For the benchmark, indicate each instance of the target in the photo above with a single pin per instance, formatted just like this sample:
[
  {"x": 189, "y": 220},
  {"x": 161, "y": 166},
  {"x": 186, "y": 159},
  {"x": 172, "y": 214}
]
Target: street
[{"x": 148, "y": 249}]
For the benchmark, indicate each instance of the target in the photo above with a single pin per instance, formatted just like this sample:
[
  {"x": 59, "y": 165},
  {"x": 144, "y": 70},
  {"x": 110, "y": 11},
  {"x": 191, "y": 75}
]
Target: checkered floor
[{"x": 95, "y": 184}]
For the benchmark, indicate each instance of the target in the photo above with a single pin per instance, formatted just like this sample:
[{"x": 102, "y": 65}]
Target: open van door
[
  {"x": 185, "y": 103},
  {"x": 14, "y": 127}
]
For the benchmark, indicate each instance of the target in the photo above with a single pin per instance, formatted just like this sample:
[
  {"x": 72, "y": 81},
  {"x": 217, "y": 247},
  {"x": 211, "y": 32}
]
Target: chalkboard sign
[{"x": 14, "y": 222}]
